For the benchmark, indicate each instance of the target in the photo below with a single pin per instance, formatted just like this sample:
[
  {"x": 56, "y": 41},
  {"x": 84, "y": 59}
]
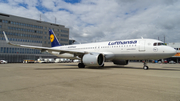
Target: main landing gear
[
  {"x": 102, "y": 65},
  {"x": 81, "y": 65},
  {"x": 145, "y": 67}
]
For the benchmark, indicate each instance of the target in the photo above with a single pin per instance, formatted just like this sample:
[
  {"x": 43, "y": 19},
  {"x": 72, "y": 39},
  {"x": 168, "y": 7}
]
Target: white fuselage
[{"x": 133, "y": 49}]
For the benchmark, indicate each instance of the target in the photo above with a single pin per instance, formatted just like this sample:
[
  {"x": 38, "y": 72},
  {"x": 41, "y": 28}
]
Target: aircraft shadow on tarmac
[
  {"x": 127, "y": 67},
  {"x": 163, "y": 69},
  {"x": 108, "y": 67}
]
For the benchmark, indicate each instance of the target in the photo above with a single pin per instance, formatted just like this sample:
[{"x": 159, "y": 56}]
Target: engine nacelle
[
  {"x": 93, "y": 59},
  {"x": 120, "y": 62}
]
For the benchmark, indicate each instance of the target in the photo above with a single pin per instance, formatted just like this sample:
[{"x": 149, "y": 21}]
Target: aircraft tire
[
  {"x": 81, "y": 65},
  {"x": 145, "y": 67},
  {"x": 102, "y": 65}
]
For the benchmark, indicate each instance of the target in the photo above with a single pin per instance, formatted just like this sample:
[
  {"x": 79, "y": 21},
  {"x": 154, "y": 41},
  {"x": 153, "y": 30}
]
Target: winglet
[{"x": 6, "y": 38}]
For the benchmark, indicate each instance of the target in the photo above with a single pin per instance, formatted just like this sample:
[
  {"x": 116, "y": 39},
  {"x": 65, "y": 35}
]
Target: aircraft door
[{"x": 142, "y": 45}]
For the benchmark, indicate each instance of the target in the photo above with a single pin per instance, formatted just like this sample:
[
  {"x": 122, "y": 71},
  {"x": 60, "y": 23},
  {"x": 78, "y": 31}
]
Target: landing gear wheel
[
  {"x": 102, "y": 65},
  {"x": 145, "y": 67},
  {"x": 81, "y": 65}
]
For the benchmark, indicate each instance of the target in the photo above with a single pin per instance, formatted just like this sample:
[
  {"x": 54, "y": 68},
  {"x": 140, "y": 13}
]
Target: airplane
[{"x": 95, "y": 54}]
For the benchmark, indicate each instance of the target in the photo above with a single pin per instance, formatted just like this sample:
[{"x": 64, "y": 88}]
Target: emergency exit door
[{"x": 142, "y": 45}]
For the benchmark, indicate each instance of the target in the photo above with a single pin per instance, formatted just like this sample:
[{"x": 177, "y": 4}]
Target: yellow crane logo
[{"x": 51, "y": 37}]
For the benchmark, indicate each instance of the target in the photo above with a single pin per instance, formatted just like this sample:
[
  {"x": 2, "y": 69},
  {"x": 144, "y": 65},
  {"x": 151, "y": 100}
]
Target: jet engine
[
  {"x": 93, "y": 59},
  {"x": 120, "y": 62}
]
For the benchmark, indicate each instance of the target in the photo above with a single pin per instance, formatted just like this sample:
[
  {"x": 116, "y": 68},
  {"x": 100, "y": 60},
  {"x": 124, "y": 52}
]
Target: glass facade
[
  {"x": 19, "y": 50},
  {"x": 20, "y": 36},
  {"x": 25, "y": 30},
  {"x": 21, "y": 24}
]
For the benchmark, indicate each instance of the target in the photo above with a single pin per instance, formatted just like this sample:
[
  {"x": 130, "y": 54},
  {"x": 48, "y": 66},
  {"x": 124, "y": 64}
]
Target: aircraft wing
[{"x": 46, "y": 48}]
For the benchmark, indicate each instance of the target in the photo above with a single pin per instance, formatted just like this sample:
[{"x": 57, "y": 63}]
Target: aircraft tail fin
[{"x": 53, "y": 39}]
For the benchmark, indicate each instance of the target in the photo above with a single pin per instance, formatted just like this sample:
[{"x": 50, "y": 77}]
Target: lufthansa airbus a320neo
[{"x": 118, "y": 51}]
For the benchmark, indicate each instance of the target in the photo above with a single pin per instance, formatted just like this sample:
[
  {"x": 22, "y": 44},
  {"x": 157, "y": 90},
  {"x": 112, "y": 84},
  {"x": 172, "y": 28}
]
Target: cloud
[{"x": 103, "y": 20}]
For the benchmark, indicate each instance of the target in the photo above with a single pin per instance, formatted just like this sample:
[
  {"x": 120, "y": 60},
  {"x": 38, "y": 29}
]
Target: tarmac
[{"x": 67, "y": 82}]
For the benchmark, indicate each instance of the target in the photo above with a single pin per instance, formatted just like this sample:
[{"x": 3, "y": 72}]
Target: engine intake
[{"x": 93, "y": 59}]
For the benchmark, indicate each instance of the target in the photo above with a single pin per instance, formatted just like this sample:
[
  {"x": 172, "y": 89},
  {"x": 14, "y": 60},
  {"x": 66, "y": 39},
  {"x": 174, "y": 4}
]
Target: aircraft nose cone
[{"x": 172, "y": 51}]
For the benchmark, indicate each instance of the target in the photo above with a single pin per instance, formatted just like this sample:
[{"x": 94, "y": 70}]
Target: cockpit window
[
  {"x": 155, "y": 44},
  {"x": 159, "y": 44}
]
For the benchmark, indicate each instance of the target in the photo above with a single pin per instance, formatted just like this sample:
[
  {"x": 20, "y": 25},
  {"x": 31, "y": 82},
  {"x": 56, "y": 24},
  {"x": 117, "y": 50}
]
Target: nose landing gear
[{"x": 145, "y": 67}]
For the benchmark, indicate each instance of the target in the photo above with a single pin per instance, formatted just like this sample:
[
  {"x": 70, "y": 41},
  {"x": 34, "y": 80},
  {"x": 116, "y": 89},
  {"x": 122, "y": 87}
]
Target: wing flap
[{"x": 53, "y": 49}]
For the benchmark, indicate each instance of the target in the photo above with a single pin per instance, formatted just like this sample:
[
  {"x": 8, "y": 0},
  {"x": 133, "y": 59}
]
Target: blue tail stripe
[{"x": 53, "y": 39}]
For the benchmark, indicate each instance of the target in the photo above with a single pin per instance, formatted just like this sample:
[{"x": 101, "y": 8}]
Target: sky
[{"x": 104, "y": 20}]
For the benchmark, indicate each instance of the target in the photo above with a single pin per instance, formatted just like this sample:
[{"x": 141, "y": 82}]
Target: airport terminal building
[
  {"x": 176, "y": 57},
  {"x": 26, "y": 31}
]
